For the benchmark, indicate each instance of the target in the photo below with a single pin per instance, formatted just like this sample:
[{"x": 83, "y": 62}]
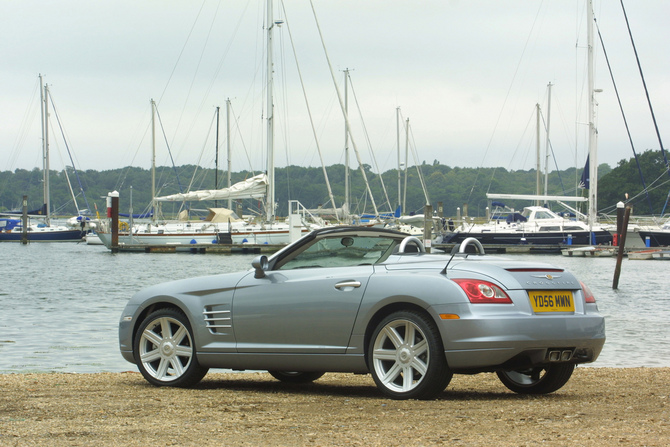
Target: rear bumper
[
  {"x": 491, "y": 360},
  {"x": 511, "y": 343}
]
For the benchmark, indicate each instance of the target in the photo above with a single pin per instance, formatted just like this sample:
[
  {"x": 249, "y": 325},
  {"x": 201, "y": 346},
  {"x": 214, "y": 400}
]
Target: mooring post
[
  {"x": 24, "y": 221},
  {"x": 622, "y": 244},
  {"x": 620, "y": 210},
  {"x": 427, "y": 227},
  {"x": 113, "y": 213}
]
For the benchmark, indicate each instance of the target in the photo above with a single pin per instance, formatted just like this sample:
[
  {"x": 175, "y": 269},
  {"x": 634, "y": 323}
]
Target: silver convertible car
[{"x": 363, "y": 300}]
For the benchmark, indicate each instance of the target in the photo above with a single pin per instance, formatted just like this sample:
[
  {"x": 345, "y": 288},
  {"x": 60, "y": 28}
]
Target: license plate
[{"x": 552, "y": 301}]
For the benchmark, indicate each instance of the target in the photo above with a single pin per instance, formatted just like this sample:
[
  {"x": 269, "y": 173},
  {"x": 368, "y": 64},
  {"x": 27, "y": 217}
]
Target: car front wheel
[
  {"x": 165, "y": 352},
  {"x": 538, "y": 380},
  {"x": 406, "y": 357},
  {"x": 296, "y": 376}
]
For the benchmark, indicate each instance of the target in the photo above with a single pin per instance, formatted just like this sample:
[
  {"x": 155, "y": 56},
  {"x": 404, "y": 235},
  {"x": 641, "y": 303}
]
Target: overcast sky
[{"x": 467, "y": 74}]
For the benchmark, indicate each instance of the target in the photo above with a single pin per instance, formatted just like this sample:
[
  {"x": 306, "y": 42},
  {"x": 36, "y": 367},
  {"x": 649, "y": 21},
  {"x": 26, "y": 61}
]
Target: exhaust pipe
[{"x": 560, "y": 355}]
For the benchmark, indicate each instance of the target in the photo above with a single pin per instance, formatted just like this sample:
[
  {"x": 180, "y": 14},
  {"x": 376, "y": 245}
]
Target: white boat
[
  {"x": 535, "y": 225},
  {"x": 214, "y": 229},
  {"x": 93, "y": 239},
  {"x": 662, "y": 254},
  {"x": 590, "y": 251},
  {"x": 642, "y": 254}
]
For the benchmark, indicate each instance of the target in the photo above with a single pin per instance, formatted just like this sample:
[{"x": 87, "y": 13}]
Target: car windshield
[{"x": 340, "y": 251}]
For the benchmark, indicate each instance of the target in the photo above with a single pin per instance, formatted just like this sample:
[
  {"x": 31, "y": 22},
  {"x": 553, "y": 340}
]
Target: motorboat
[{"x": 535, "y": 225}]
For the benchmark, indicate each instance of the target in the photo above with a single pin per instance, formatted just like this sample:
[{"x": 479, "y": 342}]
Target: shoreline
[{"x": 598, "y": 406}]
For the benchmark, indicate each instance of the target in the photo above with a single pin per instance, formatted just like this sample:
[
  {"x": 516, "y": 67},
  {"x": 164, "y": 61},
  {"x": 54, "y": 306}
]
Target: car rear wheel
[
  {"x": 296, "y": 376},
  {"x": 406, "y": 357},
  {"x": 539, "y": 380},
  {"x": 165, "y": 352}
]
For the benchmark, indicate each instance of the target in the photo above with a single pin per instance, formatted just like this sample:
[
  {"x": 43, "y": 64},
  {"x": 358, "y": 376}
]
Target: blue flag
[{"x": 585, "y": 180}]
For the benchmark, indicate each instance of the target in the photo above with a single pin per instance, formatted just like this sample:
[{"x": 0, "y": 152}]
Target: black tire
[
  {"x": 164, "y": 350},
  {"x": 296, "y": 376},
  {"x": 539, "y": 380},
  {"x": 406, "y": 357}
]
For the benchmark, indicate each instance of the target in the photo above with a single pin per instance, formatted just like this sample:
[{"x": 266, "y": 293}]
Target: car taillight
[
  {"x": 483, "y": 292},
  {"x": 588, "y": 295}
]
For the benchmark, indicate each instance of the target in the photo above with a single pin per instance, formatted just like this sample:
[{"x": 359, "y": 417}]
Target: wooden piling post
[
  {"x": 113, "y": 213},
  {"x": 622, "y": 244},
  {"x": 24, "y": 221},
  {"x": 620, "y": 210}
]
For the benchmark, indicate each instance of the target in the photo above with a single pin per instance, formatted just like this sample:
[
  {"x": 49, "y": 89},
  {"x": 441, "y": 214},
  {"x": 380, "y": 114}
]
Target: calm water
[{"x": 60, "y": 303}]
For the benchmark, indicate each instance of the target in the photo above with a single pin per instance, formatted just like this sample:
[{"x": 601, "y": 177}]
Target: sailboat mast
[
  {"x": 538, "y": 189},
  {"x": 547, "y": 148},
  {"x": 45, "y": 151},
  {"x": 153, "y": 160},
  {"x": 228, "y": 147},
  {"x": 346, "y": 144},
  {"x": 404, "y": 195},
  {"x": 346, "y": 116},
  {"x": 216, "y": 157},
  {"x": 42, "y": 110},
  {"x": 593, "y": 132},
  {"x": 270, "y": 199},
  {"x": 397, "y": 137}
]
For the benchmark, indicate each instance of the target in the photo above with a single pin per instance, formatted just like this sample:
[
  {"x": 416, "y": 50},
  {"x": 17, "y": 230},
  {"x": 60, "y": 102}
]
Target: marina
[
  {"x": 61, "y": 306},
  {"x": 574, "y": 250},
  {"x": 61, "y": 313}
]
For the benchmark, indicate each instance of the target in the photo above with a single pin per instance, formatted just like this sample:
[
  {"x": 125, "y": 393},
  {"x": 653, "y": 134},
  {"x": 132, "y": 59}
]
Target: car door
[{"x": 305, "y": 310}]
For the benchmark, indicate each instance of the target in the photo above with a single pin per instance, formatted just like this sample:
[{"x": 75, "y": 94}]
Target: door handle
[{"x": 347, "y": 285}]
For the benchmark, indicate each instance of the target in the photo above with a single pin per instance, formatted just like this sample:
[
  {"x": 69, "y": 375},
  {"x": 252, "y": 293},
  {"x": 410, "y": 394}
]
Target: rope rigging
[
  {"x": 69, "y": 153},
  {"x": 174, "y": 167},
  {"x": 646, "y": 91},
  {"x": 644, "y": 83},
  {"x": 309, "y": 113},
  {"x": 623, "y": 115}
]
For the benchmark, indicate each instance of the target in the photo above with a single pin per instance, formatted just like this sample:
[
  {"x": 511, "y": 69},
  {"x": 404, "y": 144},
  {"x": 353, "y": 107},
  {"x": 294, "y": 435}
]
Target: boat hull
[
  {"x": 44, "y": 236},
  {"x": 659, "y": 238},
  {"x": 590, "y": 252},
  {"x": 539, "y": 238},
  {"x": 92, "y": 239},
  {"x": 270, "y": 237},
  {"x": 662, "y": 254},
  {"x": 642, "y": 254}
]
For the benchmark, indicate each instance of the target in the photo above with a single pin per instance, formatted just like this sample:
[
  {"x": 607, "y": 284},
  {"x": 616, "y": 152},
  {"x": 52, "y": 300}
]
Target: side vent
[{"x": 217, "y": 319}]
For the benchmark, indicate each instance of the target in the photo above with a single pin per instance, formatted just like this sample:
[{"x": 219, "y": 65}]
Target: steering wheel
[
  {"x": 471, "y": 241},
  {"x": 413, "y": 239}
]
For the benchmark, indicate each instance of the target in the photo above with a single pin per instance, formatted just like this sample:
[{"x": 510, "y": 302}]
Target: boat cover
[{"x": 251, "y": 188}]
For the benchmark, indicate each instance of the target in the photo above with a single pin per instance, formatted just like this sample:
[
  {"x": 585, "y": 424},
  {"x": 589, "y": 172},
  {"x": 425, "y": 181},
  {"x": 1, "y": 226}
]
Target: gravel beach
[{"x": 598, "y": 406}]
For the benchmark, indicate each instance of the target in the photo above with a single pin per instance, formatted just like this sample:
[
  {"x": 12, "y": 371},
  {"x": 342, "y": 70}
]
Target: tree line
[{"x": 454, "y": 187}]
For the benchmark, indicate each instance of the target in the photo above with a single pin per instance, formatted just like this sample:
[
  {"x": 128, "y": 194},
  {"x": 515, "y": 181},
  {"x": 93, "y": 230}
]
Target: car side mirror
[{"x": 260, "y": 264}]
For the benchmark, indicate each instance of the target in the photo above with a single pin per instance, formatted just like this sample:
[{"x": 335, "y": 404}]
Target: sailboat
[
  {"x": 538, "y": 224},
  {"x": 222, "y": 225},
  {"x": 412, "y": 223},
  {"x": 11, "y": 228}
]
